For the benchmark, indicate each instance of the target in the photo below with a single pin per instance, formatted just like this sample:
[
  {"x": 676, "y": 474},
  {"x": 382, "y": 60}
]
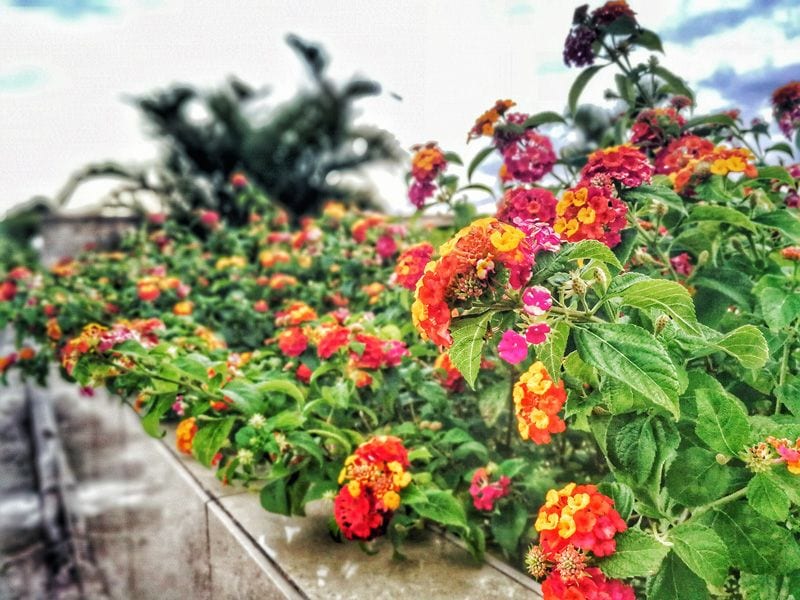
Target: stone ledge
[{"x": 294, "y": 557}]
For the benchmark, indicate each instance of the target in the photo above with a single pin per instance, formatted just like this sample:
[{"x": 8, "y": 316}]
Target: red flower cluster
[
  {"x": 292, "y": 341},
  {"x": 680, "y": 152},
  {"x": 581, "y": 516},
  {"x": 411, "y": 265},
  {"x": 656, "y": 127},
  {"x": 537, "y": 402},
  {"x": 375, "y": 473},
  {"x": 527, "y": 203},
  {"x": 100, "y": 338},
  {"x": 484, "y": 492},
  {"x": 469, "y": 264},
  {"x": 527, "y": 157},
  {"x": 377, "y": 353},
  {"x": 592, "y": 585},
  {"x": 624, "y": 164},
  {"x": 786, "y": 107},
  {"x": 588, "y": 212},
  {"x": 427, "y": 164},
  {"x": 331, "y": 338},
  {"x": 718, "y": 161}
]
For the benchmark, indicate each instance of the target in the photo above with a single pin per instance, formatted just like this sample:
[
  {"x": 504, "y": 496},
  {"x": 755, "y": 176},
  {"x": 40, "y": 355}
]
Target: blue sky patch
[
  {"x": 68, "y": 9},
  {"x": 22, "y": 79}
]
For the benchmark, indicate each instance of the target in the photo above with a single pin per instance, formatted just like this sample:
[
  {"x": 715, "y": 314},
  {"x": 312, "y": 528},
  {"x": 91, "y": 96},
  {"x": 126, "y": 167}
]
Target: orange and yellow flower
[{"x": 537, "y": 402}]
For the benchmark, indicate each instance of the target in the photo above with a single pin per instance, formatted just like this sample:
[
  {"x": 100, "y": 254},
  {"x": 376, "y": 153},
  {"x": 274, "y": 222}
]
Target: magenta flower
[
  {"x": 386, "y": 247},
  {"x": 536, "y": 300},
  {"x": 485, "y": 494},
  {"x": 512, "y": 347},
  {"x": 537, "y": 333},
  {"x": 682, "y": 264}
]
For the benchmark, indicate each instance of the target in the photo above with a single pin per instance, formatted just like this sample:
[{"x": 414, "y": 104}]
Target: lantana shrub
[{"x": 598, "y": 381}]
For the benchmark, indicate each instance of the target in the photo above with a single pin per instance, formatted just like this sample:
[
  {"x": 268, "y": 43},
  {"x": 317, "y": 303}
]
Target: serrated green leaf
[
  {"x": 669, "y": 297},
  {"x": 695, "y": 477},
  {"x": 779, "y": 306},
  {"x": 702, "y": 550},
  {"x": 592, "y": 250},
  {"x": 551, "y": 352},
  {"x": 675, "y": 581},
  {"x": 443, "y": 508},
  {"x": 766, "y": 497},
  {"x": 756, "y": 544},
  {"x": 782, "y": 220},
  {"x": 746, "y": 344},
  {"x": 508, "y": 526},
  {"x": 722, "y": 214},
  {"x": 721, "y": 422},
  {"x": 631, "y": 446},
  {"x": 468, "y": 340},
  {"x": 775, "y": 172},
  {"x": 637, "y": 555},
  {"x": 632, "y": 355},
  {"x": 648, "y": 193},
  {"x": 209, "y": 439}
]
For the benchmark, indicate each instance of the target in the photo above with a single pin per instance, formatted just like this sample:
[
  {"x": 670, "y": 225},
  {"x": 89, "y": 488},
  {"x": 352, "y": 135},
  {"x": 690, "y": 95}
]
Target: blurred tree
[{"x": 296, "y": 153}]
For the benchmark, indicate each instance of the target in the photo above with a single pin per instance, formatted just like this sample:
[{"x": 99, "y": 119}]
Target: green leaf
[
  {"x": 695, "y": 477},
  {"x": 580, "y": 83},
  {"x": 769, "y": 587},
  {"x": 777, "y": 173},
  {"x": 443, "y": 508},
  {"x": 543, "y": 118},
  {"x": 756, "y": 545},
  {"x": 722, "y": 214},
  {"x": 468, "y": 341},
  {"x": 551, "y": 352},
  {"x": 411, "y": 495},
  {"x": 275, "y": 497},
  {"x": 666, "y": 296},
  {"x": 593, "y": 250},
  {"x": 621, "y": 494},
  {"x": 721, "y": 422},
  {"x": 779, "y": 306},
  {"x": 631, "y": 446},
  {"x": 766, "y": 497},
  {"x": 476, "y": 162},
  {"x": 782, "y": 220},
  {"x": 246, "y": 396},
  {"x": 675, "y": 581},
  {"x": 283, "y": 386},
  {"x": 454, "y": 158},
  {"x": 781, "y": 147},
  {"x": 632, "y": 355},
  {"x": 627, "y": 245},
  {"x": 648, "y": 39},
  {"x": 675, "y": 83},
  {"x": 702, "y": 550},
  {"x": 731, "y": 283},
  {"x": 746, "y": 344},
  {"x": 638, "y": 554},
  {"x": 724, "y": 120},
  {"x": 210, "y": 437},
  {"x": 151, "y": 422},
  {"x": 508, "y": 526}
]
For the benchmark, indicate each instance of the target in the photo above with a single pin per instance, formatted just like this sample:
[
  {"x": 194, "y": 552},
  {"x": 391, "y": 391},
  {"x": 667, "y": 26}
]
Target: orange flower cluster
[
  {"x": 580, "y": 516},
  {"x": 484, "y": 124},
  {"x": 448, "y": 375},
  {"x": 427, "y": 164},
  {"x": 296, "y": 313},
  {"x": 184, "y": 435},
  {"x": 469, "y": 266},
  {"x": 537, "y": 402},
  {"x": 624, "y": 164},
  {"x": 362, "y": 226},
  {"x": 680, "y": 152},
  {"x": 375, "y": 474},
  {"x": 717, "y": 161},
  {"x": 588, "y": 212},
  {"x": 411, "y": 265},
  {"x": 270, "y": 258}
]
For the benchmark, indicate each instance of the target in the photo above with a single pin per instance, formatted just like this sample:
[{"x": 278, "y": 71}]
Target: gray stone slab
[{"x": 435, "y": 568}]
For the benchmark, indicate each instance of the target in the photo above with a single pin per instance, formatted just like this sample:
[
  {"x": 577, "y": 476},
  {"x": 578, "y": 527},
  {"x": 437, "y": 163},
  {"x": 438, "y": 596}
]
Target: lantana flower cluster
[
  {"x": 427, "y": 164},
  {"x": 373, "y": 477},
  {"x": 411, "y": 265},
  {"x": 718, "y": 160},
  {"x": 587, "y": 29},
  {"x": 786, "y": 107},
  {"x": 591, "y": 212},
  {"x": 486, "y": 492},
  {"x": 537, "y": 402},
  {"x": 656, "y": 127},
  {"x": 788, "y": 452},
  {"x": 575, "y": 524},
  {"x": 470, "y": 267}
]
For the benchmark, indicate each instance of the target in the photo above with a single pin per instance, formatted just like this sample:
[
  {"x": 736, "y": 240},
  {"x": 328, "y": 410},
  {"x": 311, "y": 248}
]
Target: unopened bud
[
  {"x": 578, "y": 285},
  {"x": 660, "y": 208},
  {"x": 661, "y": 322},
  {"x": 435, "y": 425},
  {"x": 722, "y": 459},
  {"x": 601, "y": 278},
  {"x": 702, "y": 258}
]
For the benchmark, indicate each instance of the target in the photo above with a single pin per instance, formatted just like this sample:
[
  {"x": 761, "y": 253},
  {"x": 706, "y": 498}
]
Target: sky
[{"x": 69, "y": 65}]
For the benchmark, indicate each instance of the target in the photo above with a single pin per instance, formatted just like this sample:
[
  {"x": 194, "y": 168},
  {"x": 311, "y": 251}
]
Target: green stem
[
  {"x": 787, "y": 350},
  {"x": 719, "y": 502},
  {"x": 575, "y": 315}
]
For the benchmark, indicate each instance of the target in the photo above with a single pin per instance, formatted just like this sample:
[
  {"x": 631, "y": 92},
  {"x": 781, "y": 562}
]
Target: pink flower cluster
[
  {"x": 513, "y": 346},
  {"x": 484, "y": 492}
]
